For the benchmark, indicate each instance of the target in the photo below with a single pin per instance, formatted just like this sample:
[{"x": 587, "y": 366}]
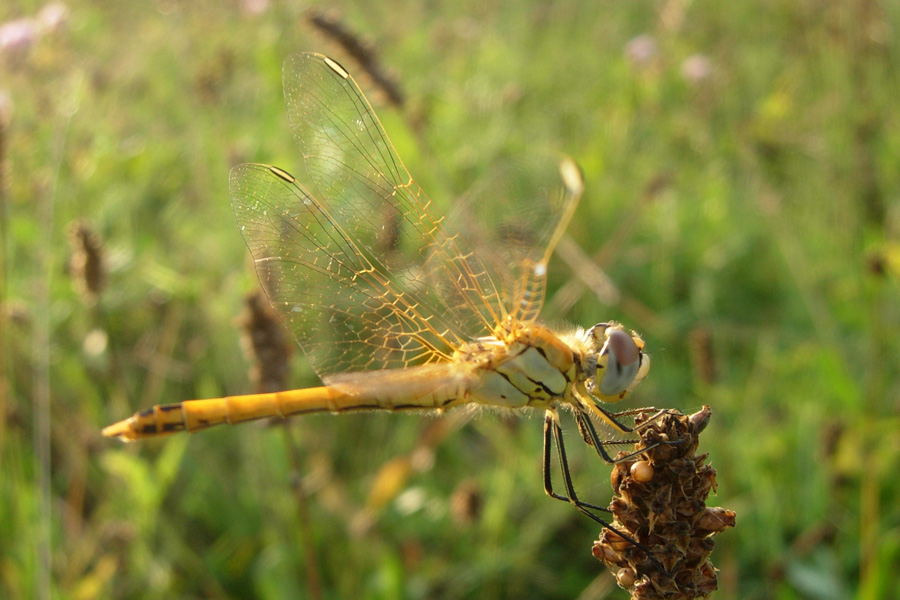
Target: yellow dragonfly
[{"x": 394, "y": 307}]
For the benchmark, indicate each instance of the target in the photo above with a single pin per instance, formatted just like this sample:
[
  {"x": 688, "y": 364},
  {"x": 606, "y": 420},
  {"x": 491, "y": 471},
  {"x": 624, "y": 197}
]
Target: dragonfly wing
[
  {"x": 366, "y": 272},
  {"x": 517, "y": 214},
  {"x": 347, "y": 313},
  {"x": 369, "y": 192}
]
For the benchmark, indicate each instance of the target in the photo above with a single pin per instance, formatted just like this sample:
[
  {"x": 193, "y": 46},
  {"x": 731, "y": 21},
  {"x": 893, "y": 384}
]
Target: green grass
[{"x": 781, "y": 173}]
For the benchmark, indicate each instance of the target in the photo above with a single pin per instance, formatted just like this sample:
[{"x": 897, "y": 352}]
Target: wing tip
[{"x": 571, "y": 176}]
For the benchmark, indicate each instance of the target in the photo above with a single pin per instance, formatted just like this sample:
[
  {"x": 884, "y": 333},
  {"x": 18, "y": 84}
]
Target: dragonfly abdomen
[
  {"x": 194, "y": 415},
  {"x": 426, "y": 387}
]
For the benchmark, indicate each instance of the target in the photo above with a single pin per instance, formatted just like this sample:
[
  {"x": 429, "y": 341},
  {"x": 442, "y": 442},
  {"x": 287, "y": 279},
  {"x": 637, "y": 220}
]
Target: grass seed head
[
  {"x": 265, "y": 344},
  {"x": 660, "y": 501},
  {"x": 86, "y": 265}
]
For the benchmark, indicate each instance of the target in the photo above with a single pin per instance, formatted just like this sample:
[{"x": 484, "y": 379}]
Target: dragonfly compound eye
[
  {"x": 623, "y": 363},
  {"x": 642, "y": 371}
]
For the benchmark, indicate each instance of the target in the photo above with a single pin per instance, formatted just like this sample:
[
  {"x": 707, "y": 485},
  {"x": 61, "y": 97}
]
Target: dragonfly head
[{"x": 621, "y": 363}]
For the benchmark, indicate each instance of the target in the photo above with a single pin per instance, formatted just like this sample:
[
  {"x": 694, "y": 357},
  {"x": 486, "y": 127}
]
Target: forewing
[
  {"x": 369, "y": 192},
  {"x": 366, "y": 272},
  {"x": 347, "y": 313}
]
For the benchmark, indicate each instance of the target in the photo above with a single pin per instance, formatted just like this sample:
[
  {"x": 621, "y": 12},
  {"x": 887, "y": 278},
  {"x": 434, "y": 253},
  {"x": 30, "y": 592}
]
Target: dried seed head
[
  {"x": 465, "y": 503},
  {"x": 660, "y": 502},
  {"x": 330, "y": 24},
  {"x": 86, "y": 266},
  {"x": 265, "y": 344}
]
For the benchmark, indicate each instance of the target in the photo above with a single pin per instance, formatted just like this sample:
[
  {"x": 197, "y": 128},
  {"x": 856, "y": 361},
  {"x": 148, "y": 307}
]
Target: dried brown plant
[
  {"x": 266, "y": 345},
  {"x": 660, "y": 502},
  {"x": 86, "y": 265}
]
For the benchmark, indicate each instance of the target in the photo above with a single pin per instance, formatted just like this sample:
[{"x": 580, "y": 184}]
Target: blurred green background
[{"x": 742, "y": 163}]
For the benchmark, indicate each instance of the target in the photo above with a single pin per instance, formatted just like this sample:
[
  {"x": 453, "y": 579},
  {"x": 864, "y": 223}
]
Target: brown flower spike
[
  {"x": 660, "y": 502},
  {"x": 86, "y": 266}
]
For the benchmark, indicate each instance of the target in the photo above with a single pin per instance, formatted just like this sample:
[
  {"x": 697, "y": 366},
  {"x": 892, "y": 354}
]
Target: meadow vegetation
[{"x": 742, "y": 167}]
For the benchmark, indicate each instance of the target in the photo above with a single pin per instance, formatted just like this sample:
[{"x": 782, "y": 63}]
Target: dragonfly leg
[
  {"x": 612, "y": 419},
  {"x": 658, "y": 412},
  {"x": 553, "y": 433},
  {"x": 589, "y": 432}
]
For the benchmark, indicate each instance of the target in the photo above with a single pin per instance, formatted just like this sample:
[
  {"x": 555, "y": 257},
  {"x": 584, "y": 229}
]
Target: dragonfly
[{"x": 398, "y": 306}]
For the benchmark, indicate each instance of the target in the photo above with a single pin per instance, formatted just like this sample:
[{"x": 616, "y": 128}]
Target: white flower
[
  {"x": 18, "y": 35},
  {"x": 641, "y": 49},
  {"x": 52, "y": 17},
  {"x": 696, "y": 68}
]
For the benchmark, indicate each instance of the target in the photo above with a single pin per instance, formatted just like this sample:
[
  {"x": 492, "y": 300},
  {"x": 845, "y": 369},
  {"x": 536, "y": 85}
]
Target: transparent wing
[
  {"x": 515, "y": 218},
  {"x": 367, "y": 272},
  {"x": 355, "y": 168},
  {"x": 348, "y": 313}
]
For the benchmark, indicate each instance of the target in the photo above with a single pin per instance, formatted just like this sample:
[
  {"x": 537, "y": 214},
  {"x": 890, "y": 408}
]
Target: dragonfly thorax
[{"x": 522, "y": 366}]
